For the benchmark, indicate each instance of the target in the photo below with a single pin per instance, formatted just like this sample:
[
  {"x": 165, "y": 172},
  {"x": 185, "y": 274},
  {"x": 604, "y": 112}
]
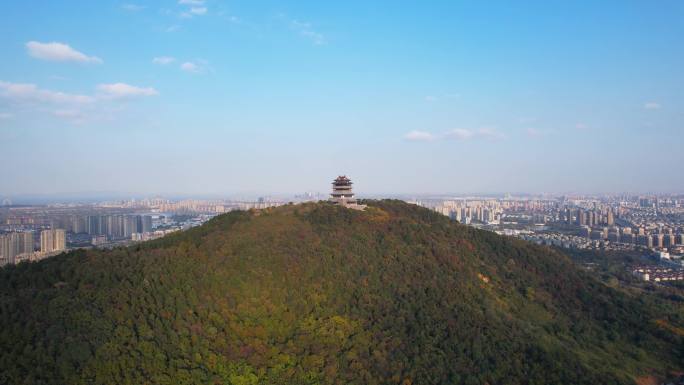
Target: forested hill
[{"x": 318, "y": 294}]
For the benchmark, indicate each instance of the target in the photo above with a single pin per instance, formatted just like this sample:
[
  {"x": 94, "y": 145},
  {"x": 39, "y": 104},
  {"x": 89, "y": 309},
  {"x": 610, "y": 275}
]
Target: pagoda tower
[{"x": 342, "y": 191}]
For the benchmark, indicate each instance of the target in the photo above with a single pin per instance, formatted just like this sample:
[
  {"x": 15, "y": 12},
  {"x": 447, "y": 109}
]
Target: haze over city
[{"x": 224, "y": 97}]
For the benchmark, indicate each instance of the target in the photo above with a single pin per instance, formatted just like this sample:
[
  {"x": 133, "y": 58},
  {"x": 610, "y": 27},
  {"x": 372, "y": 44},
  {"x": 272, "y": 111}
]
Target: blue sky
[{"x": 222, "y": 97}]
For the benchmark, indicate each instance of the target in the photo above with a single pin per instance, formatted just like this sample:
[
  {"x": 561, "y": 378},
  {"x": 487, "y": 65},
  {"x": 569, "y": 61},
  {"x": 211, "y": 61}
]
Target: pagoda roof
[{"x": 342, "y": 179}]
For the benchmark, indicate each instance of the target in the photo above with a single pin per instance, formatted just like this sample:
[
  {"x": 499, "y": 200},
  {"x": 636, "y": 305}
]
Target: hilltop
[{"x": 315, "y": 293}]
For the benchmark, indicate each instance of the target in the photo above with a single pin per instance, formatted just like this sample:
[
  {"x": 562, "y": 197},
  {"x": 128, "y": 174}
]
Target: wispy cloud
[
  {"x": 488, "y": 133},
  {"x": 581, "y": 126},
  {"x": 440, "y": 97},
  {"x": 123, "y": 90},
  {"x": 193, "y": 8},
  {"x": 59, "y": 52},
  {"x": 419, "y": 136},
  {"x": 198, "y": 10},
  {"x": 30, "y": 93},
  {"x": 652, "y": 106},
  {"x": 132, "y": 7},
  {"x": 533, "y": 132},
  {"x": 197, "y": 66},
  {"x": 73, "y": 115},
  {"x": 163, "y": 60},
  {"x": 189, "y": 67},
  {"x": 76, "y": 108},
  {"x": 304, "y": 29},
  {"x": 5, "y": 115},
  {"x": 459, "y": 134},
  {"x": 527, "y": 120}
]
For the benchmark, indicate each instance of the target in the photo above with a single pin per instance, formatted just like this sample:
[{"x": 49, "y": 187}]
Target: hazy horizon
[{"x": 212, "y": 97}]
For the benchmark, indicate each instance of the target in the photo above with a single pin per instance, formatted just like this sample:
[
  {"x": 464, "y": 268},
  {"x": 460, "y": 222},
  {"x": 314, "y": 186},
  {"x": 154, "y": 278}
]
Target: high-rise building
[
  {"x": 628, "y": 238},
  {"x": 146, "y": 225},
  {"x": 657, "y": 240},
  {"x": 669, "y": 240},
  {"x": 4, "y": 250},
  {"x": 581, "y": 217},
  {"x": 52, "y": 240},
  {"x": 645, "y": 240},
  {"x": 610, "y": 220},
  {"x": 14, "y": 245},
  {"x": 78, "y": 224},
  {"x": 130, "y": 226}
]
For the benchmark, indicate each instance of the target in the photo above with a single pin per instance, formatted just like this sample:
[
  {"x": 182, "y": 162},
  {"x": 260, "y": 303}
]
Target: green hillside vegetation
[{"x": 318, "y": 294}]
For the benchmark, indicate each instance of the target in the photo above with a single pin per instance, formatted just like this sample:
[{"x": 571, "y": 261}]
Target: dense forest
[{"x": 319, "y": 294}]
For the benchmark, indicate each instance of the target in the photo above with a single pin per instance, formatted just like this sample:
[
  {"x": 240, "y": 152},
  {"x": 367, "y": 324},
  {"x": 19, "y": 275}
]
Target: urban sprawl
[{"x": 650, "y": 225}]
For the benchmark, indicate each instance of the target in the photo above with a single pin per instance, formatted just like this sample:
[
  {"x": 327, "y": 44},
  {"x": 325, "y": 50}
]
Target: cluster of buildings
[
  {"x": 467, "y": 211},
  {"x": 620, "y": 222},
  {"x": 148, "y": 236},
  {"x": 568, "y": 241},
  {"x": 650, "y": 225},
  {"x": 33, "y": 232},
  {"x": 113, "y": 226},
  {"x": 20, "y": 245},
  {"x": 217, "y": 206},
  {"x": 583, "y": 217},
  {"x": 658, "y": 273}
]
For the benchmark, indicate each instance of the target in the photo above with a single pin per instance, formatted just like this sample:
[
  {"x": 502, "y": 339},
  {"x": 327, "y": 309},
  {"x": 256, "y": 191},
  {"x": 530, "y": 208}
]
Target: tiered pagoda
[{"x": 342, "y": 191}]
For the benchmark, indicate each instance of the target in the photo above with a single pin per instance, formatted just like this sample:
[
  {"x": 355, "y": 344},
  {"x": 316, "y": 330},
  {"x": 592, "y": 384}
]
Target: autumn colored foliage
[{"x": 319, "y": 294}]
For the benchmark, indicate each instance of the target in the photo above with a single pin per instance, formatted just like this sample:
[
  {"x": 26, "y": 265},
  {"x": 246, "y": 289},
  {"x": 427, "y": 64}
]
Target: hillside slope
[{"x": 314, "y": 293}]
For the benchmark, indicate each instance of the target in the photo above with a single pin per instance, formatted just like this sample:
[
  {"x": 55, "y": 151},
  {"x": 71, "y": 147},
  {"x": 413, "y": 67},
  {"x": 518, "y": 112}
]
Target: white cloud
[
  {"x": 5, "y": 115},
  {"x": 67, "y": 113},
  {"x": 191, "y": 2},
  {"x": 533, "y": 132},
  {"x": 58, "y": 52},
  {"x": 460, "y": 134},
  {"x": 197, "y": 66},
  {"x": 189, "y": 67},
  {"x": 305, "y": 30},
  {"x": 419, "y": 136},
  {"x": 652, "y": 106},
  {"x": 132, "y": 7},
  {"x": 163, "y": 60},
  {"x": 581, "y": 126},
  {"x": 198, "y": 10},
  {"x": 481, "y": 133},
  {"x": 71, "y": 115},
  {"x": 172, "y": 28},
  {"x": 431, "y": 98},
  {"x": 25, "y": 92},
  {"x": 489, "y": 133},
  {"x": 527, "y": 119},
  {"x": 123, "y": 90},
  {"x": 75, "y": 108}
]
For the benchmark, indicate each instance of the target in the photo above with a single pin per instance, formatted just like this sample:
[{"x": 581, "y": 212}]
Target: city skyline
[{"x": 212, "y": 98}]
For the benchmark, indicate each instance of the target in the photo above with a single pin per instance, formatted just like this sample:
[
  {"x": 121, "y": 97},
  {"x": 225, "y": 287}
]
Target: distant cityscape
[
  {"x": 34, "y": 232},
  {"x": 652, "y": 225}
]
